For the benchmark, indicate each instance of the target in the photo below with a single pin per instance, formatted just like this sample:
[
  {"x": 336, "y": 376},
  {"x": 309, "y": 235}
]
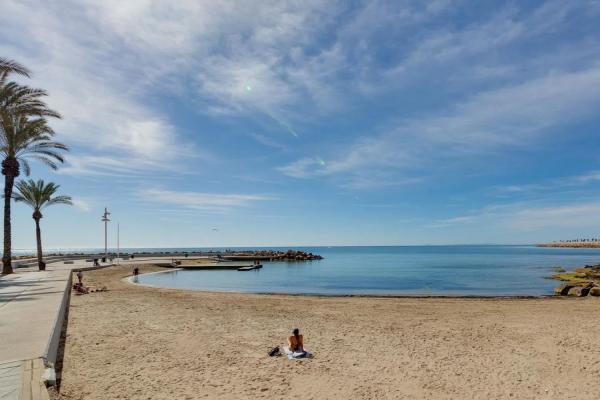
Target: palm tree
[
  {"x": 24, "y": 134},
  {"x": 38, "y": 195},
  {"x": 23, "y": 138}
]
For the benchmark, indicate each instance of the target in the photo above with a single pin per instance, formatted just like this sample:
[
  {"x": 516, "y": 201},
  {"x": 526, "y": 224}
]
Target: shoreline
[{"x": 129, "y": 280}]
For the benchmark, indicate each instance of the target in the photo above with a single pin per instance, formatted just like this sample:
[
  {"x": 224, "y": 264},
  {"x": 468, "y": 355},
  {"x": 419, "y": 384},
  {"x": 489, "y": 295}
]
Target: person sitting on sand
[
  {"x": 295, "y": 347},
  {"x": 80, "y": 289}
]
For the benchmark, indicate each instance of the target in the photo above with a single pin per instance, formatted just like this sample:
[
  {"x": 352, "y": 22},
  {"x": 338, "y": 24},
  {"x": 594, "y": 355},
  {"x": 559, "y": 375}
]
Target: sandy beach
[{"x": 135, "y": 342}]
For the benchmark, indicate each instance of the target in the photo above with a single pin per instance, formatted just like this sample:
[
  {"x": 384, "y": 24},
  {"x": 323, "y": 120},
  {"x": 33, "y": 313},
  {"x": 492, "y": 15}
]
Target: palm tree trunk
[
  {"x": 10, "y": 168},
  {"x": 38, "y": 237}
]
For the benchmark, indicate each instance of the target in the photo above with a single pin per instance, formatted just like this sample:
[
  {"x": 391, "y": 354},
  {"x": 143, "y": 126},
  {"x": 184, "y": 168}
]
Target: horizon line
[{"x": 267, "y": 246}]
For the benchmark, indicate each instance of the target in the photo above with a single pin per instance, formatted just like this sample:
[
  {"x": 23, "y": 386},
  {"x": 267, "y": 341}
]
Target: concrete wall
[{"x": 54, "y": 341}]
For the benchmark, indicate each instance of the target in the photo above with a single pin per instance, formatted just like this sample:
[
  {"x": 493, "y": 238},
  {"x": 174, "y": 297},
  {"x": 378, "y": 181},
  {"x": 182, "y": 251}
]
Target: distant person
[
  {"x": 80, "y": 289},
  {"x": 295, "y": 347},
  {"x": 136, "y": 271},
  {"x": 80, "y": 277},
  {"x": 96, "y": 264}
]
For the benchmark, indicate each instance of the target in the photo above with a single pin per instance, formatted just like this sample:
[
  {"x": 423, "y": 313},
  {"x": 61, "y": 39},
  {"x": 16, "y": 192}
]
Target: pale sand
[{"x": 135, "y": 342}]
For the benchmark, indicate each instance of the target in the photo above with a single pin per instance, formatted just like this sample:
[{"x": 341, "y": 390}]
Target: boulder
[
  {"x": 579, "y": 291},
  {"x": 595, "y": 291},
  {"x": 562, "y": 290}
]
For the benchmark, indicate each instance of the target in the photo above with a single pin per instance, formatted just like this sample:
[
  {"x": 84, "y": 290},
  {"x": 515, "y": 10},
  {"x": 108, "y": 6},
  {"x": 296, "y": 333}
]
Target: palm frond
[
  {"x": 60, "y": 200},
  {"x": 20, "y": 99},
  {"x": 9, "y": 66},
  {"x": 25, "y": 164},
  {"x": 38, "y": 194},
  {"x": 24, "y": 138},
  {"x": 48, "y": 162}
]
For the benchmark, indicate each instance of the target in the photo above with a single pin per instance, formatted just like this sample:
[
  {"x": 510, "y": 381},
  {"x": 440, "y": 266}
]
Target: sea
[{"x": 466, "y": 270}]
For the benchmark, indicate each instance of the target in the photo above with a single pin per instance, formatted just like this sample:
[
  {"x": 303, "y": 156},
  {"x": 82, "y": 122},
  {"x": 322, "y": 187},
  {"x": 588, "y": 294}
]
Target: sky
[{"x": 280, "y": 123}]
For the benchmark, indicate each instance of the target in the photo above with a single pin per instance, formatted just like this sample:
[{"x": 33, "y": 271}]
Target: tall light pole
[
  {"x": 105, "y": 220},
  {"x": 118, "y": 244}
]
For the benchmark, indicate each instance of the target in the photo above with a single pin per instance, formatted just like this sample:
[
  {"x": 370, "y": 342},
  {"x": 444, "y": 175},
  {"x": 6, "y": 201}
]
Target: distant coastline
[{"x": 582, "y": 244}]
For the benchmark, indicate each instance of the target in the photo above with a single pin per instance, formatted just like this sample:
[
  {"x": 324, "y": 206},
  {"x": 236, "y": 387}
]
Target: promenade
[
  {"x": 32, "y": 308},
  {"x": 33, "y": 305}
]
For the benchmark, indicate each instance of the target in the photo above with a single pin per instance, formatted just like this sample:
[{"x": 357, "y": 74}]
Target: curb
[{"x": 52, "y": 347}]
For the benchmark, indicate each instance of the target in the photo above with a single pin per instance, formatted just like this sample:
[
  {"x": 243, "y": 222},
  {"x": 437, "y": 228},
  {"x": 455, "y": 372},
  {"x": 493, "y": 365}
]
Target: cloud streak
[
  {"x": 525, "y": 216},
  {"x": 206, "y": 202},
  {"x": 513, "y": 116}
]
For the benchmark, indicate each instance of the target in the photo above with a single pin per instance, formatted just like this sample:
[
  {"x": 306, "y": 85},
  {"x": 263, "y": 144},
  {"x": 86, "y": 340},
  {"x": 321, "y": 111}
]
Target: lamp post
[
  {"x": 118, "y": 245},
  {"x": 105, "y": 220}
]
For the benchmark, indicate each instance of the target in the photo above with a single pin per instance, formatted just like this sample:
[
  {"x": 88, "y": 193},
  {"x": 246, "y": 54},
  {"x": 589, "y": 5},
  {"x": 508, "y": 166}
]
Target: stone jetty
[{"x": 271, "y": 255}]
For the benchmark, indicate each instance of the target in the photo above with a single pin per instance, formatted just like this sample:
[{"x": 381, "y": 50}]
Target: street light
[{"x": 105, "y": 220}]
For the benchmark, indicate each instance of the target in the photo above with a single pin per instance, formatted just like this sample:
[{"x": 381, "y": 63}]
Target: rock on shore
[{"x": 580, "y": 282}]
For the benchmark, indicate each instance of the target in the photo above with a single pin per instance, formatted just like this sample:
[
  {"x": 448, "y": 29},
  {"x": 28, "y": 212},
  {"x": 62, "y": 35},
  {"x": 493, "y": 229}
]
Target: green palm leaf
[{"x": 38, "y": 194}]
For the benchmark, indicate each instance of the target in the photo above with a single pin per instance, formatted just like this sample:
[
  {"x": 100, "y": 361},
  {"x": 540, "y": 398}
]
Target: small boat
[{"x": 250, "y": 268}]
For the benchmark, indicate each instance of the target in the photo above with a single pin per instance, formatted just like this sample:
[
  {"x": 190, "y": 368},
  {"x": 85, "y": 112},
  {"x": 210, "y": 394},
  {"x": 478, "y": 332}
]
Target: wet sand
[{"x": 135, "y": 342}]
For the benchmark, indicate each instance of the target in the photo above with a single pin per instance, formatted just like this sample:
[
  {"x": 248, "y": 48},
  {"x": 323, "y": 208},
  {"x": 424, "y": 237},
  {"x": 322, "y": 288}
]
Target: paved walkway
[
  {"x": 32, "y": 307},
  {"x": 24, "y": 298}
]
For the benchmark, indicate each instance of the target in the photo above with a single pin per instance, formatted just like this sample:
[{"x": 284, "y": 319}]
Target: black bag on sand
[{"x": 274, "y": 351}]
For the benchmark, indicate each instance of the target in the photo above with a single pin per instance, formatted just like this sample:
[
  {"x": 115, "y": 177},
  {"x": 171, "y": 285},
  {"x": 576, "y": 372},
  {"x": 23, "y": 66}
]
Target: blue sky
[{"x": 316, "y": 122}]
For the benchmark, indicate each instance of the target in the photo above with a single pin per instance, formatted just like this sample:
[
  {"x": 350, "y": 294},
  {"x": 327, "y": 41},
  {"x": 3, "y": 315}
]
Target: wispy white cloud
[
  {"x": 558, "y": 183},
  {"x": 480, "y": 51},
  {"x": 107, "y": 68},
  {"x": 511, "y": 116},
  {"x": 267, "y": 141},
  {"x": 527, "y": 216},
  {"x": 578, "y": 216},
  {"x": 81, "y": 204},
  {"x": 304, "y": 168},
  {"x": 90, "y": 165},
  {"x": 93, "y": 83},
  {"x": 443, "y": 223},
  {"x": 201, "y": 201}
]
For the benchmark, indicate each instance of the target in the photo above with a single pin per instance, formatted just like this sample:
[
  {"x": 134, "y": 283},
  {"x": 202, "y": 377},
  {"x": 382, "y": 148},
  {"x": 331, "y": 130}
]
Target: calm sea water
[{"x": 405, "y": 270}]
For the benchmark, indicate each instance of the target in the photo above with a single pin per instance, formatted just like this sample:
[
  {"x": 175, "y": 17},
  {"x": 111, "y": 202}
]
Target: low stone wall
[{"x": 53, "y": 343}]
